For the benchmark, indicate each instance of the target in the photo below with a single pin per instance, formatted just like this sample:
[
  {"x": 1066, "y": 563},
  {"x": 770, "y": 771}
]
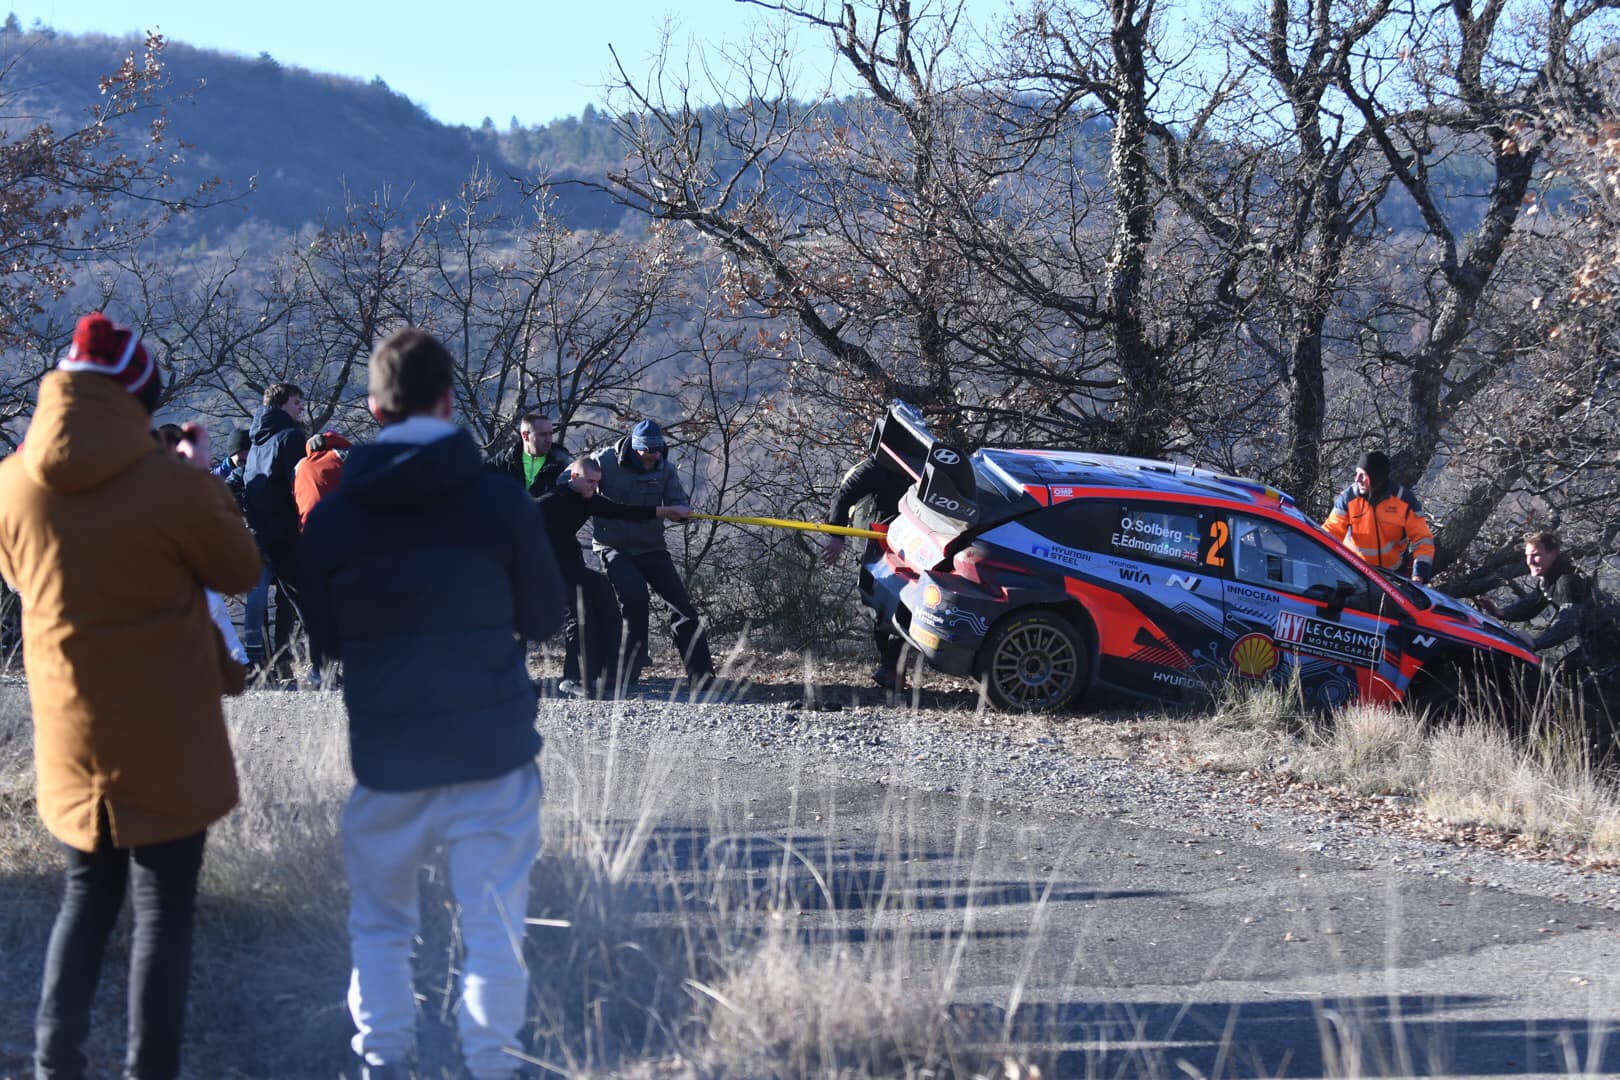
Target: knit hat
[
  {"x": 1375, "y": 463},
  {"x": 240, "y": 441},
  {"x": 102, "y": 346},
  {"x": 647, "y": 435},
  {"x": 325, "y": 440}
]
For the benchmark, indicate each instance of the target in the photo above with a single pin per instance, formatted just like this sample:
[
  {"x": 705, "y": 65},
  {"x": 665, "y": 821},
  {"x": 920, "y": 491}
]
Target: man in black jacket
[
  {"x": 591, "y": 622},
  {"x": 426, "y": 575},
  {"x": 882, "y": 488},
  {"x": 536, "y": 460},
  {"x": 267, "y": 497},
  {"x": 1555, "y": 584},
  {"x": 1576, "y": 644}
]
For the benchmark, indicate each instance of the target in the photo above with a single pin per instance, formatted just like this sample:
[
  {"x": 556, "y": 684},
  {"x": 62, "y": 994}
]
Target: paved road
[{"x": 1119, "y": 950}]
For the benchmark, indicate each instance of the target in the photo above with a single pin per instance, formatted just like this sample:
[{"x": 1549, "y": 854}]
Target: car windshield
[{"x": 1403, "y": 585}]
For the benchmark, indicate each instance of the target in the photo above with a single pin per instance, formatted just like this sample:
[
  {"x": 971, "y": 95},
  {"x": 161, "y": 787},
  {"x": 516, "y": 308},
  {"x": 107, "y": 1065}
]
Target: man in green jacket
[{"x": 537, "y": 459}]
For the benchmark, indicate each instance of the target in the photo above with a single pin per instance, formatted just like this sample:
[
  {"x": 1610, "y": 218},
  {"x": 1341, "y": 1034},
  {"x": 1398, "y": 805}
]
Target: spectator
[
  {"x": 272, "y": 512},
  {"x": 424, "y": 576},
  {"x": 1575, "y": 642},
  {"x": 318, "y": 473},
  {"x": 881, "y": 489},
  {"x": 1572, "y": 633},
  {"x": 1384, "y": 525},
  {"x": 191, "y": 446},
  {"x": 111, "y": 542},
  {"x": 635, "y": 472},
  {"x": 256, "y": 604},
  {"x": 231, "y": 465},
  {"x": 536, "y": 460},
  {"x": 590, "y": 620}
]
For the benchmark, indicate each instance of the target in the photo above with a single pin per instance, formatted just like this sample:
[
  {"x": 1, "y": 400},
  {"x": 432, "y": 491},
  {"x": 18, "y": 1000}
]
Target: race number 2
[{"x": 1215, "y": 554}]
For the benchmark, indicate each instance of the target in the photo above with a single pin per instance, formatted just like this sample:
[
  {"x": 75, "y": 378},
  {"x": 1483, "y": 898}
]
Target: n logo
[
  {"x": 1182, "y": 581},
  {"x": 1424, "y": 641}
]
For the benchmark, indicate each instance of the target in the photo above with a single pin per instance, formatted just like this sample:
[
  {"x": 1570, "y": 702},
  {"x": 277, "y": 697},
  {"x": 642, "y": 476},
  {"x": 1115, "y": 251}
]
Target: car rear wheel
[{"x": 1035, "y": 662}]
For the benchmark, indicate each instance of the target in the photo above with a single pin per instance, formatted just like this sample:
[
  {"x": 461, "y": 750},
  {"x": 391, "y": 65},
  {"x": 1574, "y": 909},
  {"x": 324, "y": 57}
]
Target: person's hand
[
  {"x": 674, "y": 513},
  {"x": 193, "y": 447},
  {"x": 831, "y": 548},
  {"x": 1488, "y": 606}
]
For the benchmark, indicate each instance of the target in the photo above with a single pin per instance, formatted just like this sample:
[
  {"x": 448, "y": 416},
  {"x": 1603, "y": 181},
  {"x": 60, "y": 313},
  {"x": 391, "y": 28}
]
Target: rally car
[{"x": 1044, "y": 574}]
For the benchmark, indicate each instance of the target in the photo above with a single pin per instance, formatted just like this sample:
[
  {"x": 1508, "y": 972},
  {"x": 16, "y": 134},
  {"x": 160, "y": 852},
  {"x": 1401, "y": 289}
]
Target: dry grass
[
  {"x": 645, "y": 956},
  {"x": 659, "y": 950},
  {"x": 1540, "y": 782}
]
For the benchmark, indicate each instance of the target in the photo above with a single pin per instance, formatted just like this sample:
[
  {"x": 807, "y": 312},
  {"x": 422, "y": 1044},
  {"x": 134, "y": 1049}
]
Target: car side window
[
  {"x": 1273, "y": 555},
  {"x": 1079, "y": 523},
  {"x": 1166, "y": 533}
]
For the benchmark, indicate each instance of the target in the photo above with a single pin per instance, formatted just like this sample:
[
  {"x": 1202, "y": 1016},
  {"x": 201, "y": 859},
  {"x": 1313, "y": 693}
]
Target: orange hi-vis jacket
[
  {"x": 1390, "y": 532},
  {"x": 317, "y": 473}
]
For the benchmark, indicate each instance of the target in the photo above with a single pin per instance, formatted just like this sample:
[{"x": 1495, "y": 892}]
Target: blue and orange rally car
[{"x": 1043, "y": 574}]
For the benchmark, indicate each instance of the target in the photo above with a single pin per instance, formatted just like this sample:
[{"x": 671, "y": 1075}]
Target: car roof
[{"x": 1052, "y": 476}]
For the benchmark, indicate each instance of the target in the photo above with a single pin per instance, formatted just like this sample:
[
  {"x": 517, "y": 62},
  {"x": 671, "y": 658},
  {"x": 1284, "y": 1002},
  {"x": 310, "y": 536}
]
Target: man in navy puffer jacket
[{"x": 425, "y": 575}]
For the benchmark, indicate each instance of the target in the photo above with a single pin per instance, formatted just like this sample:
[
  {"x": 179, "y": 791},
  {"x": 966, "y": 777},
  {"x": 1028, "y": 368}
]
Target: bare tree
[{"x": 74, "y": 190}]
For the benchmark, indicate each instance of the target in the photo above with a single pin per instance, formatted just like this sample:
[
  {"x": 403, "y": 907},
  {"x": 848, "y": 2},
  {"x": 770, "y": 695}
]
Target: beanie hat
[
  {"x": 102, "y": 346},
  {"x": 239, "y": 442},
  {"x": 1375, "y": 463},
  {"x": 325, "y": 440},
  {"x": 647, "y": 435}
]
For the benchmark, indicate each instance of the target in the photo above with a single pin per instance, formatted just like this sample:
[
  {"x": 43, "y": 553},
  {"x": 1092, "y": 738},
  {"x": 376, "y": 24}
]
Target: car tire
[{"x": 1035, "y": 662}]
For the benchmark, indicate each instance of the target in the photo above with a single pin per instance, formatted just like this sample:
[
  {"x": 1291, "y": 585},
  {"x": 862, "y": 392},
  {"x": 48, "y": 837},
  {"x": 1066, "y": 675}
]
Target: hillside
[{"x": 290, "y": 141}]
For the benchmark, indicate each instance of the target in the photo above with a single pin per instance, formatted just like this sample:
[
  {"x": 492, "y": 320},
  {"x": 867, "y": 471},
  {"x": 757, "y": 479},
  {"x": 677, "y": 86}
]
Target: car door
[
  {"x": 1296, "y": 608},
  {"x": 1161, "y": 597}
]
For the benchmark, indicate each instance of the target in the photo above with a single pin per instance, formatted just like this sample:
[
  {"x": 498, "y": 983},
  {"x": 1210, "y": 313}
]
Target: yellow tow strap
[{"x": 802, "y": 526}]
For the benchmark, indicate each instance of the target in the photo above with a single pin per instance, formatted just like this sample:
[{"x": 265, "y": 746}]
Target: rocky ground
[{"x": 1127, "y": 762}]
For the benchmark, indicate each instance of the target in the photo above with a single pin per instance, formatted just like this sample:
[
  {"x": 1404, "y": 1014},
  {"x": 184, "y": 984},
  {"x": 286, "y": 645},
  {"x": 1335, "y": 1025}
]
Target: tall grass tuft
[{"x": 1528, "y": 771}]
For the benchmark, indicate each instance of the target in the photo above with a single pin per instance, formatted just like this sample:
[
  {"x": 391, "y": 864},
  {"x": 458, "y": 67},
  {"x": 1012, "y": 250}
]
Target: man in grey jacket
[{"x": 637, "y": 472}]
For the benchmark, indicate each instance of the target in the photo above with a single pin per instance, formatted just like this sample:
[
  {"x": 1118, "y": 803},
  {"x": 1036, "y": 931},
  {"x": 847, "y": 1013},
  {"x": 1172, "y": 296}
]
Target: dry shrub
[
  {"x": 1368, "y": 748},
  {"x": 787, "y": 1009},
  {"x": 1480, "y": 775},
  {"x": 1249, "y": 725},
  {"x": 1540, "y": 781}
]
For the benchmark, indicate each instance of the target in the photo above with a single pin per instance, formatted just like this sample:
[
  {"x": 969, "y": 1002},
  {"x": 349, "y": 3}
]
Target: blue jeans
[
  {"x": 165, "y": 893},
  {"x": 255, "y": 610}
]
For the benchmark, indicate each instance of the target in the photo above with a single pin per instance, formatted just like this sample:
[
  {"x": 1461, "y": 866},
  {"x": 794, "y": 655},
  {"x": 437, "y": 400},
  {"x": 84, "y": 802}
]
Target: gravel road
[{"x": 943, "y": 742}]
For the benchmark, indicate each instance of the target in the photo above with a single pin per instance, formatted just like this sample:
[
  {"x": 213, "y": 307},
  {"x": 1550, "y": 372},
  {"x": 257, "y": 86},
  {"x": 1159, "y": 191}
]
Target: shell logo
[
  {"x": 931, "y": 596},
  {"x": 1254, "y": 655}
]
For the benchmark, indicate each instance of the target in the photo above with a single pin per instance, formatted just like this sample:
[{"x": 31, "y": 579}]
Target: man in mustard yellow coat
[{"x": 110, "y": 541}]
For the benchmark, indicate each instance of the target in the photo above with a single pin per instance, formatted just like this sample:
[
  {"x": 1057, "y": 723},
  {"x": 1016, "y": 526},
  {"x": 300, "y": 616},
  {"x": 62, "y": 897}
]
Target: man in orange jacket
[
  {"x": 1383, "y": 524},
  {"x": 319, "y": 471}
]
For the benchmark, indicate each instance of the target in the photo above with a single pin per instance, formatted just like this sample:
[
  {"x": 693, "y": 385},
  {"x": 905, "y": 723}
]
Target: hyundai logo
[{"x": 946, "y": 456}]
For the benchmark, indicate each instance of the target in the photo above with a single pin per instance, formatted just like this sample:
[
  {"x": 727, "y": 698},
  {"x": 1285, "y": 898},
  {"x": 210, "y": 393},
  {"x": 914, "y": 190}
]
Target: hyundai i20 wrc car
[{"x": 1044, "y": 574}]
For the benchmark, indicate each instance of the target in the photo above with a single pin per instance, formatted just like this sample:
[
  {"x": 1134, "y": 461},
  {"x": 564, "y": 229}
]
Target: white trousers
[{"x": 491, "y": 831}]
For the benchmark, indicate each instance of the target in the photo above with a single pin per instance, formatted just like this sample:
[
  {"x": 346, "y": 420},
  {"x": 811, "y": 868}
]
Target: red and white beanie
[{"x": 102, "y": 346}]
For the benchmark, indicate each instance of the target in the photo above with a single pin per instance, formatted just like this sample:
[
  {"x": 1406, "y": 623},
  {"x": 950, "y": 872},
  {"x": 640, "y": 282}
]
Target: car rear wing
[{"x": 943, "y": 473}]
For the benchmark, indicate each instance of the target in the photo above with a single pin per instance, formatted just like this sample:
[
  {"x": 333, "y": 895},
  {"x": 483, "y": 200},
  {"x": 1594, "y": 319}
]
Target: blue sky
[{"x": 533, "y": 60}]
